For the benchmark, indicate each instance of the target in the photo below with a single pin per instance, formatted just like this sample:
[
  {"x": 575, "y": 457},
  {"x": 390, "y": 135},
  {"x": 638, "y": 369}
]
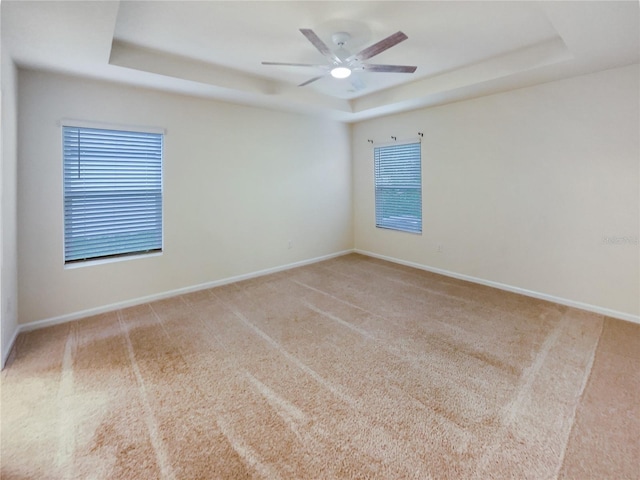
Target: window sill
[{"x": 103, "y": 261}]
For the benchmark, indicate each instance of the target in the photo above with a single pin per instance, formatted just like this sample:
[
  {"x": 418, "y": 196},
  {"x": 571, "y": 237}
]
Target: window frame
[
  {"x": 399, "y": 225},
  {"x": 116, "y": 255}
]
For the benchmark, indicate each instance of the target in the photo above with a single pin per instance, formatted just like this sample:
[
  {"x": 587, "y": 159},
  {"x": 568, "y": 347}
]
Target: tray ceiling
[{"x": 215, "y": 49}]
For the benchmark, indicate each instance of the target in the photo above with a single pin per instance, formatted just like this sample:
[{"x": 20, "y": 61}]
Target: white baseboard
[
  {"x": 7, "y": 352},
  {"x": 522, "y": 291},
  {"x": 48, "y": 322}
]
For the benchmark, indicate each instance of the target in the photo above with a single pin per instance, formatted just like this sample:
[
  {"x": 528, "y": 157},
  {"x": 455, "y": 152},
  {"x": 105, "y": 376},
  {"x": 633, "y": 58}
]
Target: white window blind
[
  {"x": 398, "y": 187},
  {"x": 112, "y": 193}
]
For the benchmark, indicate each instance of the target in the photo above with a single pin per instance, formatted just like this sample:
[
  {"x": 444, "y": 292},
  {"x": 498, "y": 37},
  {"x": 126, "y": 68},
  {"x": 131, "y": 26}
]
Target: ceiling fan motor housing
[{"x": 340, "y": 38}]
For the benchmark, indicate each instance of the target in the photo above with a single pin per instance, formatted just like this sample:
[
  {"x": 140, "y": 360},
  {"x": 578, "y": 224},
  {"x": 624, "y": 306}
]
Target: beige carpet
[{"x": 350, "y": 368}]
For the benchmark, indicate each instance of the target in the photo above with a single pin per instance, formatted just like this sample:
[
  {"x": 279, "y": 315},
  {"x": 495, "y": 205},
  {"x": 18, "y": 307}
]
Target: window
[
  {"x": 398, "y": 183},
  {"x": 112, "y": 193}
]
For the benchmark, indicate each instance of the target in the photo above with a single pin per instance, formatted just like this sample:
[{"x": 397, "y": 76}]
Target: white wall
[
  {"x": 239, "y": 183},
  {"x": 8, "y": 201},
  {"x": 527, "y": 188}
]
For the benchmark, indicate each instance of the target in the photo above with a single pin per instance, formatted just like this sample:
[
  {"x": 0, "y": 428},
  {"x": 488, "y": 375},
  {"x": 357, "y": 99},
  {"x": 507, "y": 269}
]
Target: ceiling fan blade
[
  {"x": 379, "y": 47},
  {"x": 389, "y": 68},
  {"x": 294, "y": 64},
  {"x": 311, "y": 80},
  {"x": 319, "y": 44}
]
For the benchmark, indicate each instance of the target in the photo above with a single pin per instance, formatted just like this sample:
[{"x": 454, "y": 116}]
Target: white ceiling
[{"x": 214, "y": 49}]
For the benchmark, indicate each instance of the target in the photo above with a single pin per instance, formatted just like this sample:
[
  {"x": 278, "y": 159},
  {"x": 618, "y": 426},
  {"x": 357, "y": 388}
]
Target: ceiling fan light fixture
[{"x": 340, "y": 72}]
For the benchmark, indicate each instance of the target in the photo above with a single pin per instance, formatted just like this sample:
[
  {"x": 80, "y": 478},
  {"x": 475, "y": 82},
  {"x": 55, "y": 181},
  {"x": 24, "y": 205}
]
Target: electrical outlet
[
  {"x": 439, "y": 248},
  {"x": 290, "y": 244}
]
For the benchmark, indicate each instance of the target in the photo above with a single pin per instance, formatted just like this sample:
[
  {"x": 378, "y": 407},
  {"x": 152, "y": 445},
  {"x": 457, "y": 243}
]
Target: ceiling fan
[{"x": 342, "y": 63}]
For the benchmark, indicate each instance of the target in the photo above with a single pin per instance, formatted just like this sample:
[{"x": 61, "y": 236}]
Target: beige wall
[
  {"x": 522, "y": 188},
  {"x": 8, "y": 206},
  {"x": 536, "y": 188},
  {"x": 239, "y": 183}
]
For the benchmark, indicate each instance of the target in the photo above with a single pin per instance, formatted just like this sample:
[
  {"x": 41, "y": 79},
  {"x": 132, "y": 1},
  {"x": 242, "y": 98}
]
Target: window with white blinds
[
  {"x": 112, "y": 193},
  {"x": 398, "y": 187}
]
